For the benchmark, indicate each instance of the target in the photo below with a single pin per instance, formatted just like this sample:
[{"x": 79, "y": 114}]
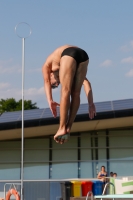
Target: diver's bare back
[{"x": 55, "y": 57}]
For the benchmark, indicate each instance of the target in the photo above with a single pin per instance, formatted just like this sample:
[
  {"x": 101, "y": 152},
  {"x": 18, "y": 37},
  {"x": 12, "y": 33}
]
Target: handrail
[
  {"x": 106, "y": 187},
  {"x": 90, "y": 192}
]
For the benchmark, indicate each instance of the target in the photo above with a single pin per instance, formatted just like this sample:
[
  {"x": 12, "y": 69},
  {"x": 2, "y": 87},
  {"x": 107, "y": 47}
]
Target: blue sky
[{"x": 103, "y": 28}]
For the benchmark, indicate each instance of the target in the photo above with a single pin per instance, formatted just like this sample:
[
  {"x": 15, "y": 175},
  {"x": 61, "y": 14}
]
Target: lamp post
[{"x": 23, "y": 37}]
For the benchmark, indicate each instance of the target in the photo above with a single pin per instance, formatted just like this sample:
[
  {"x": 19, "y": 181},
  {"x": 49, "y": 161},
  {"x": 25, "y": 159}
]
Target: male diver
[{"x": 67, "y": 66}]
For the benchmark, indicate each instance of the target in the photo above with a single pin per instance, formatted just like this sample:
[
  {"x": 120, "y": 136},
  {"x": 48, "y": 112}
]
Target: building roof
[{"x": 38, "y": 117}]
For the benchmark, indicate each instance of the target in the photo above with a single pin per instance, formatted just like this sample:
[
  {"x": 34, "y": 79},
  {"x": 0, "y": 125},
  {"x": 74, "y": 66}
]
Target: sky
[{"x": 104, "y": 29}]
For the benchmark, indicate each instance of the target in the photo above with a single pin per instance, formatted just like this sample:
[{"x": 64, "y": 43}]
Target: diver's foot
[{"x": 61, "y": 136}]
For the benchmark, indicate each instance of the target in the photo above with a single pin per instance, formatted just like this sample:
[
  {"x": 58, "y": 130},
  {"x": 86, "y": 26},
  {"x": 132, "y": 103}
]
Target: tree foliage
[{"x": 8, "y": 105}]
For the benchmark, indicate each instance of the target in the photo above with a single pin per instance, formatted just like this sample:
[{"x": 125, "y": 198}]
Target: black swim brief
[{"x": 78, "y": 54}]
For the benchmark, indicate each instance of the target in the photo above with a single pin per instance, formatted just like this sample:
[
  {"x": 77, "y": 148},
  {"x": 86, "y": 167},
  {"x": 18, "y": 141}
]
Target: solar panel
[
  {"x": 83, "y": 109},
  {"x": 10, "y": 116},
  {"x": 47, "y": 113},
  {"x": 123, "y": 104},
  {"x": 33, "y": 114},
  {"x": 103, "y": 106}
]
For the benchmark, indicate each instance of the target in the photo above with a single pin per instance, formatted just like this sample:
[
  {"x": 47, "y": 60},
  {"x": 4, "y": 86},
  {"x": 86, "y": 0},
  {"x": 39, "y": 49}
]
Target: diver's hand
[
  {"x": 92, "y": 111},
  {"x": 53, "y": 106}
]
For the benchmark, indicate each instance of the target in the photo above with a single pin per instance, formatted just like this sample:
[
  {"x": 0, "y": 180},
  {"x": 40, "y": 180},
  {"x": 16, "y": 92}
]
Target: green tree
[{"x": 8, "y": 105}]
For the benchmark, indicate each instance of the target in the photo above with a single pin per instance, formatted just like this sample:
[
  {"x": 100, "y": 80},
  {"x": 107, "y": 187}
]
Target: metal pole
[{"x": 22, "y": 135}]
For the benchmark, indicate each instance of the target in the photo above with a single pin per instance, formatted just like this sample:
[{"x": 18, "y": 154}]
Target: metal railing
[{"x": 46, "y": 189}]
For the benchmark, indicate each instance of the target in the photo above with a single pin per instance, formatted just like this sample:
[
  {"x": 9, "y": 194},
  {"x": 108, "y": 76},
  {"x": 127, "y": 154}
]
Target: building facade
[{"x": 106, "y": 141}]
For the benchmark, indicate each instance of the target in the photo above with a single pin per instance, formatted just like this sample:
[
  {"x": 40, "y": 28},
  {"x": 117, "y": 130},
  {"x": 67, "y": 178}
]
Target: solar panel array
[{"x": 83, "y": 109}]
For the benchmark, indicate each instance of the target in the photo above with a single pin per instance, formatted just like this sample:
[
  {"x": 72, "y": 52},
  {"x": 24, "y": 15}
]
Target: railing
[
  {"x": 90, "y": 192},
  {"x": 47, "y": 189},
  {"x": 106, "y": 187}
]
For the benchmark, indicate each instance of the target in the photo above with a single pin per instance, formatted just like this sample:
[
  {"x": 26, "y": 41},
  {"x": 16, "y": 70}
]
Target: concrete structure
[{"x": 106, "y": 140}]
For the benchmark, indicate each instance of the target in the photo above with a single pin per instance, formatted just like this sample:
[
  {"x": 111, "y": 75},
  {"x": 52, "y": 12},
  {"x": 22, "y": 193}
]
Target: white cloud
[
  {"x": 37, "y": 95},
  {"x": 8, "y": 66},
  {"x": 130, "y": 73},
  {"x": 13, "y": 69},
  {"x": 106, "y": 63},
  {"x": 10, "y": 93},
  {"x": 127, "y": 47},
  {"x": 4, "y": 86},
  {"x": 33, "y": 94},
  {"x": 127, "y": 60}
]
